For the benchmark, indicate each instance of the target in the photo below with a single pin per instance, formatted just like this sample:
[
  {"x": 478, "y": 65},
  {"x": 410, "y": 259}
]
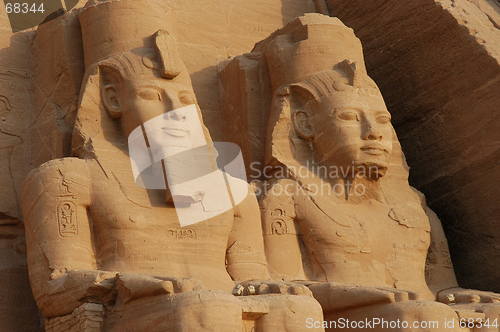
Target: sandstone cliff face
[
  {"x": 437, "y": 64},
  {"x": 17, "y": 308}
]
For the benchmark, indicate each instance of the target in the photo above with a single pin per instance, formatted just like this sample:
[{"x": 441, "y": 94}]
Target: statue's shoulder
[
  {"x": 279, "y": 196},
  {"x": 61, "y": 166},
  {"x": 58, "y": 176},
  {"x": 279, "y": 188}
]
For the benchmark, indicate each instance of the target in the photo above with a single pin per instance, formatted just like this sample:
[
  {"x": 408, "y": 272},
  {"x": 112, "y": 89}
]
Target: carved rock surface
[
  {"x": 437, "y": 65},
  {"x": 436, "y": 62},
  {"x": 40, "y": 78},
  {"x": 17, "y": 308}
]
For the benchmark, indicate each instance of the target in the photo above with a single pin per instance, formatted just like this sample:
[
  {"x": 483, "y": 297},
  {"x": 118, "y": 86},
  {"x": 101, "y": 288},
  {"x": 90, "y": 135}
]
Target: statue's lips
[
  {"x": 375, "y": 150},
  {"x": 176, "y": 132}
]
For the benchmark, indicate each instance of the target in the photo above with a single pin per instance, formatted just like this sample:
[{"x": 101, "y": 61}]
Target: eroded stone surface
[
  {"x": 437, "y": 64},
  {"x": 101, "y": 246},
  {"x": 17, "y": 308},
  {"x": 338, "y": 211},
  {"x": 40, "y": 79},
  {"x": 95, "y": 236}
]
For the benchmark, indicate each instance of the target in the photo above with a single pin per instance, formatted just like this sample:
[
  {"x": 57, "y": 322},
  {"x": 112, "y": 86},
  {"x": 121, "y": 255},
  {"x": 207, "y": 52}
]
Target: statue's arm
[
  {"x": 440, "y": 274},
  {"x": 281, "y": 233},
  {"x": 245, "y": 256},
  {"x": 61, "y": 262}
]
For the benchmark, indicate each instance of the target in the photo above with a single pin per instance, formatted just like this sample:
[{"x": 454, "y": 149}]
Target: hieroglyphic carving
[
  {"x": 182, "y": 234},
  {"x": 67, "y": 219},
  {"x": 5, "y": 106},
  {"x": 130, "y": 233},
  {"x": 65, "y": 184},
  {"x": 334, "y": 116},
  {"x": 278, "y": 225}
]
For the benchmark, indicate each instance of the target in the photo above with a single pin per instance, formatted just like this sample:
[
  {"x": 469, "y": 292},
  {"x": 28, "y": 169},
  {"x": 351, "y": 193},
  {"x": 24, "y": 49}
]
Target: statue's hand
[
  {"x": 466, "y": 296},
  {"x": 334, "y": 296},
  {"x": 94, "y": 284},
  {"x": 182, "y": 285},
  {"x": 261, "y": 287},
  {"x": 133, "y": 286},
  {"x": 400, "y": 295}
]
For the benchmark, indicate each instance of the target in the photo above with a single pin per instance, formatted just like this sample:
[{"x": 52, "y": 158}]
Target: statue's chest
[
  {"x": 361, "y": 228},
  {"x": 122, "y": 219}
]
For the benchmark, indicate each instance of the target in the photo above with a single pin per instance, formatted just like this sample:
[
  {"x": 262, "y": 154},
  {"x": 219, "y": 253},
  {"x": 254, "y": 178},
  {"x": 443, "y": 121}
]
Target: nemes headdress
[
  {"x": 130, "y": 35},
  {"x": 127, "y": 38},
  {"x": 312, "y": 57},
  {"x": 311, "y": 44}
]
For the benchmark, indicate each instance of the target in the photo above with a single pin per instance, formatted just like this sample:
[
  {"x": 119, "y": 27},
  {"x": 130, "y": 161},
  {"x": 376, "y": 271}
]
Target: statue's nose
[
  {"x": 176, "y": 117},
  {"x": 372, "y": 132},
  {"x": 172, "y": 101}
]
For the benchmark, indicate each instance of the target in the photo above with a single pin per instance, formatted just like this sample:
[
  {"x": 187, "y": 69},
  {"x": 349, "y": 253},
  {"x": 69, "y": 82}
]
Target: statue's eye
[
  {"x": 187, "y": 98},
  {"x": 149, "y": 94},
  {"x": 348, "y": 115},
  {"x": 383, "y": 119}
]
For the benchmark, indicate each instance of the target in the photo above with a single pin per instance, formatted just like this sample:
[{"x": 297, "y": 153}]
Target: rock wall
[
  {"x": 17, "y": 308},
  {"x": 437, "y": 64}
]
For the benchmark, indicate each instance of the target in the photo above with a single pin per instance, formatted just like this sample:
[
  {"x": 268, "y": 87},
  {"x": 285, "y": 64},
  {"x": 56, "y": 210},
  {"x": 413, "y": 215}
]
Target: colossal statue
[
  {"x": 107, "y": 253},
  {"x": 338, "y": 212}
]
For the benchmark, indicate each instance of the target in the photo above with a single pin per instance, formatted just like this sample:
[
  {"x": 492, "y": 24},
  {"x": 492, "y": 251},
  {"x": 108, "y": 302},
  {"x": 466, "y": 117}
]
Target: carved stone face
[
  {"x": 145, "y": 97},
  {"x": 351, "y": 129}
]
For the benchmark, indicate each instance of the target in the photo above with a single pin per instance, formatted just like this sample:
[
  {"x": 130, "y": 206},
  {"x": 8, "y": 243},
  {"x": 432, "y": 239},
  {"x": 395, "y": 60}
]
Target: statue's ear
[
  {"x": 302, "y": 124},
  {"x": 301, "y": 99},
  {"x": 109, "y": 91}
]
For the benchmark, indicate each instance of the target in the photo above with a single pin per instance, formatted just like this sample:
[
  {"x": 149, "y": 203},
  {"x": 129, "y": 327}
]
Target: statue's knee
[
  {"x": 303, "y": 306},
  {"x": 203, "y": 311},
  {"x": 402, "y": 316},
  {"x": 425, "y": 311},
  {"x": 289, "y": 312},
  {"x": 208, "y": 311}
]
